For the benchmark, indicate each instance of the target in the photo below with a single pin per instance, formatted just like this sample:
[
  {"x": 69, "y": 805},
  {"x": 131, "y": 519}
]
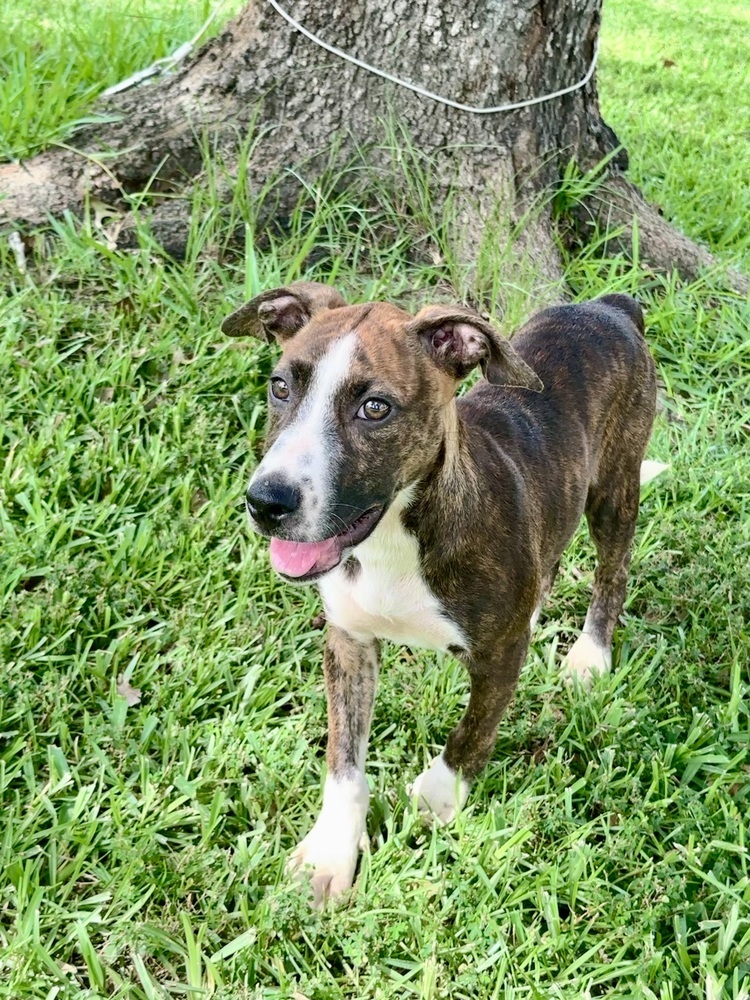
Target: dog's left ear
[
  {"x": 458, "y": 340},
  {"x": 281, "y": 312}
]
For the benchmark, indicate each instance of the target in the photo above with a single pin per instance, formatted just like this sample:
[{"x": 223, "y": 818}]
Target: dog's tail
[
  {"x": 627, "y": 305},
  {"x": 650, "y": 470}
]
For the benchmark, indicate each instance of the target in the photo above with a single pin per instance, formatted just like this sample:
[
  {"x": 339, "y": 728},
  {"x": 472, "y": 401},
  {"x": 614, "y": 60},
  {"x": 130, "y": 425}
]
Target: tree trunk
[{"x": 262, "y": 75}]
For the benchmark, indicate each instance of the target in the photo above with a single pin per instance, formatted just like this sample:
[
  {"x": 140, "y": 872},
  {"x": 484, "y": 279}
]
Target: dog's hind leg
[
  {"x": 544, "y": 594},
  {"x": 329, "y": 851},
  {"x": 611, "y": 512},
  {"x": 443, "y": 787},
  {"x": 612, "y": 504}
]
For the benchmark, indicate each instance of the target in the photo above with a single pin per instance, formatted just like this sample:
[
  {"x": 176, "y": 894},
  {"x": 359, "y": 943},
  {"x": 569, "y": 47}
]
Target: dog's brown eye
[
  {"x": 279, "y": 388},
  {"x": 374, "y": 409}
]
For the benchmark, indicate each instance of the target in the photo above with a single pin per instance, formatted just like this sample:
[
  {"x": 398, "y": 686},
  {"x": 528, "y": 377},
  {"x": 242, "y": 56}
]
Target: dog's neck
[
  {"x": 453, "y": 472},
  {"x": 444, "y": 496},
  {"x": 453, "y": 439}
]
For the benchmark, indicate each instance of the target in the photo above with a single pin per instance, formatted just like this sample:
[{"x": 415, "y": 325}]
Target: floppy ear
[
  {"x": 458, "y": 340},
  {"x": 281, "y": 312}
]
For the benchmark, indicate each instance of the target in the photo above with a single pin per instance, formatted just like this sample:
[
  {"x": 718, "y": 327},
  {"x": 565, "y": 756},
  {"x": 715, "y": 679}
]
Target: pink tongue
[{"x": 299, "y": 558}]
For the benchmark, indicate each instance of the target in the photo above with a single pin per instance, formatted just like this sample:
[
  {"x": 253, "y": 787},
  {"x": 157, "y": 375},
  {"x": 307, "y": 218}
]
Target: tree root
[
  {"x": 614, "y": 207},
  {"x": 52, "y": 183},
  {"x": 60, "y": 180}
]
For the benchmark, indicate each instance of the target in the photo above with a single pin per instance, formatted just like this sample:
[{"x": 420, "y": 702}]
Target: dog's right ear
[{"x": 281, "y": 312}]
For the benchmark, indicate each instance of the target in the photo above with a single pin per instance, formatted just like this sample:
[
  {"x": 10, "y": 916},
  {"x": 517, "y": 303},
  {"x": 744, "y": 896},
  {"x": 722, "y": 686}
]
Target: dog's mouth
[{"x": 307, "y": 560}]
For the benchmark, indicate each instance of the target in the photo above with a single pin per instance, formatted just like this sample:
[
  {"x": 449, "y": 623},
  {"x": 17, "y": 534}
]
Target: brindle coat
[{"x": 498, "y": 479}]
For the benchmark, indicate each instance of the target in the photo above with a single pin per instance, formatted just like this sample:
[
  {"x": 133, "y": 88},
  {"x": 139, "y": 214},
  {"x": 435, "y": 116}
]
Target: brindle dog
[{"x": 439, "y": 522}]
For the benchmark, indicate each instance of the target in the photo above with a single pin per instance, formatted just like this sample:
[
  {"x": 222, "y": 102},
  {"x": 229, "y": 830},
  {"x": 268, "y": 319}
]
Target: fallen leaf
[
  {"x": 102, "y": 211},
  {"x": 198, "y": 500},
  {"x": 125, "y": 304},
  {"x": 154, "y": 401},
  {"x": 435, "y": 256},
  {"x": 124, "y": 688},
  {"x": 106, "y": 394},
  {"x": 668, "y": 63},
  {"x": 112, "y": 233}
]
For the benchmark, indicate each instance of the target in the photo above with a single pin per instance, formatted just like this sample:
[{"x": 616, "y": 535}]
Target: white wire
[
  {"x": 422, "y": 91},
  {"x": 166, "y": 63}
]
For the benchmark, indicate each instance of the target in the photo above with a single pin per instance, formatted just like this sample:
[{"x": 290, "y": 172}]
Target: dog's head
[{"x": 361, "y": 403}]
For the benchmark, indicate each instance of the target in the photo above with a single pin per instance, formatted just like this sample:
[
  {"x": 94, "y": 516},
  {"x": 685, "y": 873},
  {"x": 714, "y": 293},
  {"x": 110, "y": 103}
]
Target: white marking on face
[
  {"x": 439, "y": 790},
  {"x": 388, "y": 597},
  {"x": 307, "y": 448},
  {"x": 330, "y": 849}
]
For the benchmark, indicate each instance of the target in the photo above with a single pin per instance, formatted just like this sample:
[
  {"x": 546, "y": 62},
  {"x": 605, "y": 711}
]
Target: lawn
[{"x": 142, "y": 846}]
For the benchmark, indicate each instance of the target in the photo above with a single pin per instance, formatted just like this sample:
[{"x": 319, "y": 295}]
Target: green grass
[
  {"x": 56, "y": 58},
  {"x": 604, "y": 853},
  {"x": 674, "y": 81}
]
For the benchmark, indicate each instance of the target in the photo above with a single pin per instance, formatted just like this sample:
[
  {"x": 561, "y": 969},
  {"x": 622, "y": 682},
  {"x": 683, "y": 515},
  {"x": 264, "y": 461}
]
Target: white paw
[
  {"x": 586, "y": 659},
  {"x": 328, "y": 854},
  {"x": 440, "y": 791},
  {"x": 329, "y": 864}
]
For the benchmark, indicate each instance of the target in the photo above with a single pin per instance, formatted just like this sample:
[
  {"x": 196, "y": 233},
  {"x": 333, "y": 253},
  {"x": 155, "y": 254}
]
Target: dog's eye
[
  {"x": 374, "y": 409},
  {"x": 279, "y": 388}
]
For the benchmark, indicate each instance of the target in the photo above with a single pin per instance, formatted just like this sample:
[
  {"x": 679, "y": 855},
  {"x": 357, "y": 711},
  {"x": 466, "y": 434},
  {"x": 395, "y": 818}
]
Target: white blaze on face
[{"x": 306, "y": 450}]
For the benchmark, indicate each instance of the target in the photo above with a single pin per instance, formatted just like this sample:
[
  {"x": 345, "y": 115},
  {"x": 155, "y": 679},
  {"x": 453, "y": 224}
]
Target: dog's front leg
[
  {"x": 329, "y": 851},
  {"x": 443, "y": 787}
]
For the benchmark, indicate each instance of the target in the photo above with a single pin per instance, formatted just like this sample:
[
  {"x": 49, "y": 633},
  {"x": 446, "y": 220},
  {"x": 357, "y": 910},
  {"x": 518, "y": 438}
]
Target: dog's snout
[{"x": 271, "y": 502}]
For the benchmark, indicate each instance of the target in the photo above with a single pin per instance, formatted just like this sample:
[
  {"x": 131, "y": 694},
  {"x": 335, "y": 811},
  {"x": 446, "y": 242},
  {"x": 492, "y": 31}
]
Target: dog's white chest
[{"x": 387, "y": 597}]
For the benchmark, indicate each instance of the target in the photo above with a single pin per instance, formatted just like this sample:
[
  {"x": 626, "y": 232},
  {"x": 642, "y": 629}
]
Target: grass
[
  {"x": 55, "y": 59},
  {"x": 672, "y": 81},
  {"x": 604, "y": 853}
]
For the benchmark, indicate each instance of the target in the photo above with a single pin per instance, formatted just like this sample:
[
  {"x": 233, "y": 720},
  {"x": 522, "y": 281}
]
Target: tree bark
[
  {"x": 300, "y": 102},
  {"x": 618, "y": 207}
]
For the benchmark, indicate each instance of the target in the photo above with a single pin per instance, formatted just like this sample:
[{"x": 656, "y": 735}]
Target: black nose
[{"x": 271, "y": 501}]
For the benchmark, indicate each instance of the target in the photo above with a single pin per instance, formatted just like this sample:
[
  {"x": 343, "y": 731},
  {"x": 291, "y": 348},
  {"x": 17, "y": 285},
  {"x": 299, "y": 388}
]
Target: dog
[{"x": 436, "y": 521}]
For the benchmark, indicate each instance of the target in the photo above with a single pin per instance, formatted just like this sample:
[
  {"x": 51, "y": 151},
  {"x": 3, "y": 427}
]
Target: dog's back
[
  {"x": 582, "y": 438},
  {"x": 599, "y": 379},
  {"x": 587, "y": 355}
]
